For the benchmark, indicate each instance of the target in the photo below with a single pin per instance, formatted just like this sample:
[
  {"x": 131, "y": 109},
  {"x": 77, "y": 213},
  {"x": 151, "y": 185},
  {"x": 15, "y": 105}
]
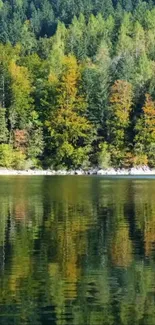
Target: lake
[{"x": 77, "y": 250}]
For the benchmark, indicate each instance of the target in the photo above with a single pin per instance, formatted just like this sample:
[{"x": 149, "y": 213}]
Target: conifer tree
[{"x": 3, "y": 126}]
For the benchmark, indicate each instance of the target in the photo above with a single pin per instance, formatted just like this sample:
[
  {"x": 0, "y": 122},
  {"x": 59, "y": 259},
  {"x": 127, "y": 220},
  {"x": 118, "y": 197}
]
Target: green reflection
[{"x": 77, "y": 250}]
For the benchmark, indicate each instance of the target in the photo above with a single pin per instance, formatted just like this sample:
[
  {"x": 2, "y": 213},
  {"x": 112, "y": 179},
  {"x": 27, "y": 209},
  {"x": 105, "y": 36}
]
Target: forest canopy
[{"x": 77, "y": 83}]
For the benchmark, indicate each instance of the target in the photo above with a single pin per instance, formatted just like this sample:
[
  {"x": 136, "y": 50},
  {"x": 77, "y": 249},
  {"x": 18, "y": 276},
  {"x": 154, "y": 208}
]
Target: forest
[{"x": 77, "y": 83}]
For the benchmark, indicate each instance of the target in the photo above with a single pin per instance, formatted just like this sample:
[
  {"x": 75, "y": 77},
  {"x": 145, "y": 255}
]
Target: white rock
[{"x": 79, "y": 172}]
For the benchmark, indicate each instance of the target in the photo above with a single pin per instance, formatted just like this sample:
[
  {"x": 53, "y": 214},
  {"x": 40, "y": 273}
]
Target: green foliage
[
  {"x": 104, "y": 158},
  {"x": 74, "y": 217},
  {"x": 35, "y": 143},
  {"x": 119, "y": 121},
  {"x": 21, "y": 100},
  {"x": 18, "y": 160},
  {"x": 6, "y": 155},
  {"x": 77, "y": 74},
  {"x": 140, "y": 160},
  {"x": 3, "y": 126},
  {"x": 145, "y": 131},
  {"x": 69, "y": 129},
  {"x": 11, "y": 158},
  {"x": 117, "y": 156}
]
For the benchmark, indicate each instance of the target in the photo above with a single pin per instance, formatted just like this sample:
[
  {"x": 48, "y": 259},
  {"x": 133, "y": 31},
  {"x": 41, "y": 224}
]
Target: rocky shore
[{"x": 101, "y": 172}]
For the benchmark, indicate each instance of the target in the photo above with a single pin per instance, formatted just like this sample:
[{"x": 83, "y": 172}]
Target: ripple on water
[{"x": 77, "y": 250}]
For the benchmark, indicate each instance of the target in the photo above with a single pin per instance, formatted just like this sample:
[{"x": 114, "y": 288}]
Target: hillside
[{"x": 77, "y": 84}]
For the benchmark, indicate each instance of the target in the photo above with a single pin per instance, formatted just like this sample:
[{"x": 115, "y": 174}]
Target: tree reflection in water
[{"x": 77, "y": 250}]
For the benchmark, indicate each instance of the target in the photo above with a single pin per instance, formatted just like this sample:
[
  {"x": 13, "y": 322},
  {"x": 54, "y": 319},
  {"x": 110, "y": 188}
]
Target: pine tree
[{"x": 3, "y": 126}]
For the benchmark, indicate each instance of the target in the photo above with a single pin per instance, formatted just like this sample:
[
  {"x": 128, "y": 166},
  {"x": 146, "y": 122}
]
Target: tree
[
  {"x": 6, "y": 155},
  {"x": 138, "y": 40},
  {"x": 105, "y": 7},
  {"x": 3, "y": 126},
  {"x": 96, "y": 80},
  {"x": 58, "y": 49},
  {"x": 145, "y": 131},
  {"x": 35, "y": 143},
  {"x": 119, "y": 118},
  {"x": 77, "y": 38},
  {"x": 69, "y": 129},
  {"x": 126, "y": 4},
  {"x": 28, "y": 40},
  {"x": 21, "y": 101},
  {"x": 125, "y": 43},
  {"x": 20, "y": 140}
]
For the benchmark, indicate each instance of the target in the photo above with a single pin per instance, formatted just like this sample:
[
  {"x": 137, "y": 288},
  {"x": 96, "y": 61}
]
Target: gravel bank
[{"x": 110, "y": 171}]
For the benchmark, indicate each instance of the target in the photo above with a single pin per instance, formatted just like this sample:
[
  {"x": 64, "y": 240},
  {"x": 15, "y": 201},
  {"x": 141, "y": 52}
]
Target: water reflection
[{"x": 77, "y": 250}]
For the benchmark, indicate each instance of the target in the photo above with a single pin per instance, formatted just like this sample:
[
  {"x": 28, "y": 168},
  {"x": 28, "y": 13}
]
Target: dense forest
[{"x": 77, "y": 83}]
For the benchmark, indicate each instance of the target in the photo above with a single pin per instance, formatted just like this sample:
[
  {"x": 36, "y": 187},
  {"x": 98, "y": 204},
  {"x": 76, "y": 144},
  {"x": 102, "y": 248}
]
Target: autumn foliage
[
  {"x": 79, "y": 97},
  {"x": 121, "y": 101}
]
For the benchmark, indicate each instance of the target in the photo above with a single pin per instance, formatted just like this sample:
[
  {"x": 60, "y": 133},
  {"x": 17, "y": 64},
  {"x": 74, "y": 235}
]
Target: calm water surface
[{"x": 77, "y": 251}]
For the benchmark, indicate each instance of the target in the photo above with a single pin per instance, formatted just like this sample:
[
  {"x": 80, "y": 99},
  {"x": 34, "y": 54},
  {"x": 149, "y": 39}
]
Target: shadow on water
[{"x": 77, "y": 250}]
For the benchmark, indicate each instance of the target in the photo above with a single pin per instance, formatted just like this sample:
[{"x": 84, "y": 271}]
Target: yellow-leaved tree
[
  {"x": 70, "y": 130},
  {"x": 119, "y": 121},
  {"x": 145, "y": 134},
  {"x": 21, "y": 101}
]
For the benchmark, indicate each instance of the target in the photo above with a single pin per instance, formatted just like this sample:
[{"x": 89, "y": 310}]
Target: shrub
[
  {"x": 6, "y": 155},
  {"x": 104, "y": 158},
  {"x": 128, "y": 160},
  {"x": 18, "y": 160},
  {"x": 151, "y": 154},
  {"x": 140, "y": 160},
  {"x": 11, "y": 158},
  {"x": 32, "y": 164}
]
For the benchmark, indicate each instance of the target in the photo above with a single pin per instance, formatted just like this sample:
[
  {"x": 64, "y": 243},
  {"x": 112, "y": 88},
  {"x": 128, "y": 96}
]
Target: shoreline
[{"x": 134, "y": 171}]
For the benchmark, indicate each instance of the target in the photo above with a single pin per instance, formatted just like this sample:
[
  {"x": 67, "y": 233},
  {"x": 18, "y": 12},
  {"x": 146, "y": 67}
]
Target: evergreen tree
[{"x": 3, "y": 126}]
